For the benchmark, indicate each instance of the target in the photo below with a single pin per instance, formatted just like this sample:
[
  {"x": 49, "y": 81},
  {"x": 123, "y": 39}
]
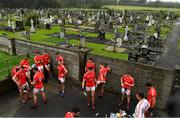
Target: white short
[
  {"x": 35, "y": 90},
  {"x": 125, "y": 91},
  {"x": 23, "y": 87},
  {"x": 40, "y": 68},
  {"x": 90, "y": 88},
  {"x": 62, "y": 80},
  {"x": 101, "y": 82}
]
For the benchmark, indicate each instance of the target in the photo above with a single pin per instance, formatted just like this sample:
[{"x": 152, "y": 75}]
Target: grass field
[
  {"x": 41, "y": 36},
  {"x": 7, "y": 62},
  {"x": 140, "y": 8}
]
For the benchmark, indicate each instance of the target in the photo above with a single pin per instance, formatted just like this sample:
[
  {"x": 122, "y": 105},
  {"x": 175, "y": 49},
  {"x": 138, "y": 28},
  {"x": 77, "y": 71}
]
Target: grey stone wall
[
  {"x": 71, "y": 57},
  {"x": 5, "y": 45},
  {"x": 161, "y": 78}
]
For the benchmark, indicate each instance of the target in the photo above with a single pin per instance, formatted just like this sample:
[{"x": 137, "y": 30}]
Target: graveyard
[
  {"x": 131, "y": 38},
  {"x": 104, "y": 31}
]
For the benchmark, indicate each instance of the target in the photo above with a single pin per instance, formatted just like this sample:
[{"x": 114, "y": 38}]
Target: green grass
[
  {"x": 98, "y": 50},
  {"x": 7, "y": 62},
  {"x": 140, "y": 8}
]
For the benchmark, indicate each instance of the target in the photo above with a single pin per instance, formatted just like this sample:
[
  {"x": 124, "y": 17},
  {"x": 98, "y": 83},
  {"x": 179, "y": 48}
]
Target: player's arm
[
  {"x": 83, "y": 83},
  {"x": 122, "y": 83},
  {"x": 65, "y": 70},
  {"x": 153, "y": 101},
  {"x": 15, "y": 79}
]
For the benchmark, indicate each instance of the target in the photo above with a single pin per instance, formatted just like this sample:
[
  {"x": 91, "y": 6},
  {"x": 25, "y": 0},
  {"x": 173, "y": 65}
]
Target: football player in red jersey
[
  {"x": 46, "y": 60},
  {"x": 127, "y": 82},
  {"x": 59, "y": 57},
  {"x": 15, "y": 69},
  {"x": 38, "y": 86},
  {"x": 89, "y": 64},
  {"x": 151, "y": 97},
  {"x": 102, "y": 78},
  {"x": 38, "y": 61},
  {"x": 90, "y": 79},
  {"x": 20, "y": 79},
  {"x": 25, "y": 62},
  {"x": 62, "y": 71}
]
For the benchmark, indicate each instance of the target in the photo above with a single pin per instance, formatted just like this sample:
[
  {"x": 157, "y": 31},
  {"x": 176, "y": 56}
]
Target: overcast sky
[{"x": 167, "y": 0}]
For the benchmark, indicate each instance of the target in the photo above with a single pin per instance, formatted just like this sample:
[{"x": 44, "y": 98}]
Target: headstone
[
  {"x": 131, "y": 18},
  {"x": 51, "y": 19},
  {"x": 32, "y": 26},
  {"x": 82, "y": 42},
  {"x": 13, "y": 25},
  {"x": 9, "y": 23},
  {"x": 59, "y": 21},
  {"x": 126, "y": 32}
]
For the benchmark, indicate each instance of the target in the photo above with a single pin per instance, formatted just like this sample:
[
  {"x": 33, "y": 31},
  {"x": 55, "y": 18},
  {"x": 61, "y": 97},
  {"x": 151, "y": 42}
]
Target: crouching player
[{"x": 38, "y": 86}]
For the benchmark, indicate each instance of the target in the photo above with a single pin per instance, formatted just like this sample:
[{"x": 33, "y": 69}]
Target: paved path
[
  {"x": 169, "y": 58},
  {"x": 57, "y": 106}
]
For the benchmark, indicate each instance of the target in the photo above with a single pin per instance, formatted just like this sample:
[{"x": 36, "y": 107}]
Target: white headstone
[
  {"x": 119, "y": 42},
  {"x": 131, "y": 18},
  {"x": 32, "y": 26},
  {"x": 70, "y": 20},
  {"x": 9, "y": 23},
  {"x": 147, "y": 17},
  {"x": 51, "y": 19},
  {"x": 156, "y": 35},
  {"x": 79, "y": 22},
  {"x": 59, "y": 21},
  {"x": 125, "y": 36},
  {"x": 13, "y": 25},
  {"x": 120, "y": 20}
]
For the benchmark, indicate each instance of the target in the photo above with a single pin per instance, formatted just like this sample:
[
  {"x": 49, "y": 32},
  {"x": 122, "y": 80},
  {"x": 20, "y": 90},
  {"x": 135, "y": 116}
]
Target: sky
[{"x": 167, "y": 0}]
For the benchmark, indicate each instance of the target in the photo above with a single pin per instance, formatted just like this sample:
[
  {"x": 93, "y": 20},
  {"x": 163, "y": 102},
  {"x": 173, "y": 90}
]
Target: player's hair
[
  {"x": 75, "y": 109},
  {"x": 90, "y": 59},
  {"x": 105, "y": 64},
  {"x": 148, "y": 84},
  {"x": 140, "y": 94},
  {"x": 57, "y": 53}
]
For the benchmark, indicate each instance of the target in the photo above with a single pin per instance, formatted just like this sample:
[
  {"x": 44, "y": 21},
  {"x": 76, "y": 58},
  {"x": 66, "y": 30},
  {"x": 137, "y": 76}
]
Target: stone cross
[
  {"x": 126, "y": 32},
  {"x": 32, "y": 26}
]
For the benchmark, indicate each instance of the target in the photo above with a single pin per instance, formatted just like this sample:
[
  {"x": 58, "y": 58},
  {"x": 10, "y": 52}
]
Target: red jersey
[
  {"x": 102, "y": 73},
  {"x": 14, "y": 70},
  {"x": 21, "y": 75},
  {"x": 90, "y": 64},
  {"x": 38, "y": 77},
  {"x": 38, "y": 59},
  {"x": 59, "y": 58},
  {"x": 69, "y": 115},
  {"x": 46, "y": 59},
  {"x": 151, "y": 93},
  {"x": 127, "y": 79},
  {"x": 61, "y": 71},
  {"x": 25, "y": 62},
  {"x": 90, "y": 77}
]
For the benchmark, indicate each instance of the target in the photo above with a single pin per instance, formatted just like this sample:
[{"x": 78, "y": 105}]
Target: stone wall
[
  {"x": 161, "y": 78},
  {"x": 72, "y": 57},
  {"x": 5, "y": 45}
]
